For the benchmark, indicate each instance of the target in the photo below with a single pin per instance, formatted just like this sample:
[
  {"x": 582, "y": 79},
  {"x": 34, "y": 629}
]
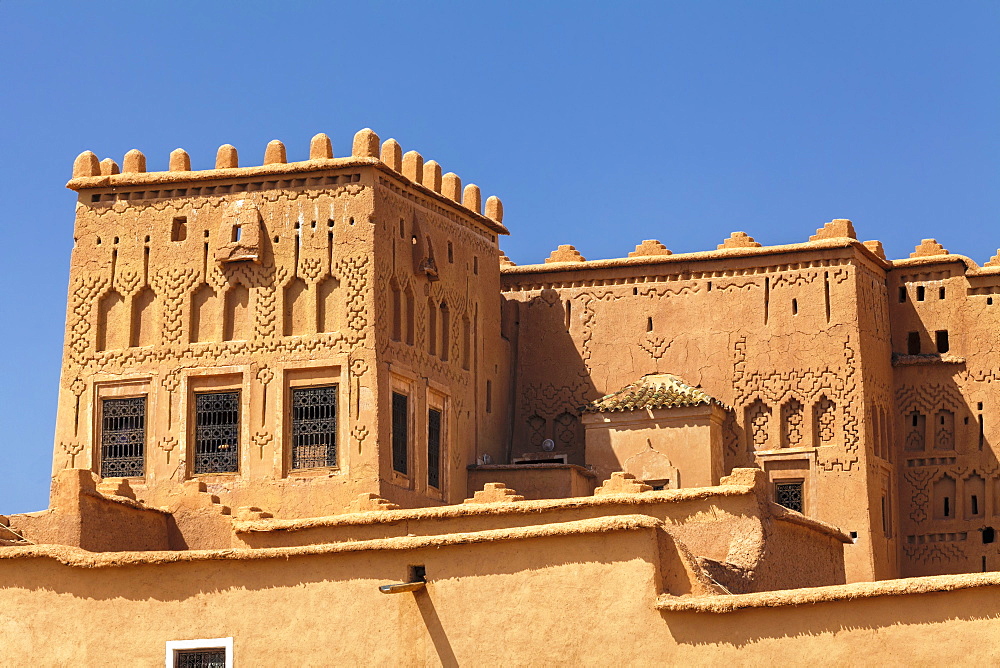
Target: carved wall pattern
[
  {"x": 758, "y": 422},
  {"x": 826, "y": 420},
  {"x": 928, "y": 553},
  {"x": 722, "y": 279},
  {"x": 807, "y": 277},
  {"x": 918, "y": 480},
  {"x": 354, "y": 273},
  {"x": 547, "y": 399},
  {"x": 655, "y": 346},
  {"x": 127, "y": 281},
  {"x": 83, "y": 298},
  {"x": 928, "y": 398},
  {"x": 394, "y": 198},
  {"x": 173, "y": 286},
  {"x": 195, "y": 198},
  {"x": 736, "y": 455},
  {"x": 791, "y": 423},
  {"x": 873, "y": 300},
  {"x": 551, "y": 412},
  {"x": 838, "y": 383}
]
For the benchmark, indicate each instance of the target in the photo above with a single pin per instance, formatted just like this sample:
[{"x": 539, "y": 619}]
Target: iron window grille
[
  {"x": 400, "y": 432},
  {"x": 789, "y": 495},
  {"x": 217, "y": 432},
  {"x": 123, "y": 437},
  {"x": 434, "y": 448},
  {"x": 314, "y": 427},
  {"x": 200, "y": 658}
]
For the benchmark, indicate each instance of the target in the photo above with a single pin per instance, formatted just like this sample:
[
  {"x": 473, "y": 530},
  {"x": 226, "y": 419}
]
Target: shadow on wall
[
  {"x": 435, "y": 629},
  {"x": 552, "y": 381},
  {"x": 942, "y": 451}
]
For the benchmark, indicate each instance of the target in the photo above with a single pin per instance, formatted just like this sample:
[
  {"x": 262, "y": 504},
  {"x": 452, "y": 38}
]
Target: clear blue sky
[{"x": 598, "y": 124}]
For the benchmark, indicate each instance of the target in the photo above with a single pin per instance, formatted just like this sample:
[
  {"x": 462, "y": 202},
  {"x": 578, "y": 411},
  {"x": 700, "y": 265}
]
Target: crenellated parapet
[
  {"x": 91, "y": 172},
  {"x": 837, "y": 233}
]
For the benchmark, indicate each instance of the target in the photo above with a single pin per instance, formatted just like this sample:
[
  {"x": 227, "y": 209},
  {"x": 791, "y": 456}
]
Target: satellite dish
[{"x": 548, "y": 445}]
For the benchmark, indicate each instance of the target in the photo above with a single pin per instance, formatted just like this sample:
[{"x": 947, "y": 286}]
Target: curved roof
[{"x": 657, "y": 390}]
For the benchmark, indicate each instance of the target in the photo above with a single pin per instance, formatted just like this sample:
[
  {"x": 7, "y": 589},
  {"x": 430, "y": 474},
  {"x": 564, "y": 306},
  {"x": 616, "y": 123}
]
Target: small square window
[
  {"x": 207, "y": 653},
  {"x": 789, "y": 495}
]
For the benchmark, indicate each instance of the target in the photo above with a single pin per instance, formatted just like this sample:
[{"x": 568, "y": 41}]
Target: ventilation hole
[
  {"x": 116, "y": 239},
  {"x": 98, "y": 241},
  {"x": 989, "y": 535},
  {"x": 206, "y": 234},
  {"x": 920, "y": 293},
  {"x": 277, "y": 239},
  {"x": 178, "y": 229},
  {"x": 147, "y": 239},
  {"x": 649, "y": 324},
  {"x": 941, "y": 339},
  {"x": 795, "y": 307},
  {"x": 989, "y": 301},
  {"x": 329, "y": 223},
  {"x": 313, "y": 225},
  {"x": 352, "y": 221},
  {"x": 940, "y": 293}
]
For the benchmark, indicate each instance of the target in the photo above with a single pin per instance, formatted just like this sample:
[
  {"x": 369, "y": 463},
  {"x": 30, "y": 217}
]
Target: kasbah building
[{"x": 310, "y": 414}]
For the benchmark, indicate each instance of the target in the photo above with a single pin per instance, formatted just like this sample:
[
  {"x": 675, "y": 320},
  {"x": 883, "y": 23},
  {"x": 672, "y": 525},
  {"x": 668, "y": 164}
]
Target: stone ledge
[
  {"x": 720, "y": 604},
  {"x": 899, "y": 359},
  {"x": 515, "y": 272},
  {"x": 78, "y": 558},
  {"x": 528, "y": 507}
]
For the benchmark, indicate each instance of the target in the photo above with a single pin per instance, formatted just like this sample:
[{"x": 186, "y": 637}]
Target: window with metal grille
[
  {"x": 123, "y": 437},
  {"x": 434, "y": 448},
  {"x": 314, "y": 427},
  {"x": 217, "y": 432},
  {"x": 400, "y": 432},
  {"x": 200, "y": 658},
  {"x": 789, "y": 495}
]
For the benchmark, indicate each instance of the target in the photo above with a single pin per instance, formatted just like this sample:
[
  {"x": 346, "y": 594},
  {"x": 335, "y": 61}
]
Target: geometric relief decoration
[{"x": 758, "y": 391}]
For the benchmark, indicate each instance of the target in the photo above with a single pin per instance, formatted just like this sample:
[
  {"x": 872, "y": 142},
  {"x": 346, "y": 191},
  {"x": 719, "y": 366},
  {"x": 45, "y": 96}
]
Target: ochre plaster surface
[{"x": 554, "y": 481}]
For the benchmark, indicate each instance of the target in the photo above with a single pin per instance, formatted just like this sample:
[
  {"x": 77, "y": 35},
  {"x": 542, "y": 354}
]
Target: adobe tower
[{"x": 287, "y": 336}]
